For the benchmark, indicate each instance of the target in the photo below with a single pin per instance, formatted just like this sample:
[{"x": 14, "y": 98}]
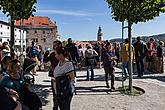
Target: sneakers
[{"x": 112, "y": 89}]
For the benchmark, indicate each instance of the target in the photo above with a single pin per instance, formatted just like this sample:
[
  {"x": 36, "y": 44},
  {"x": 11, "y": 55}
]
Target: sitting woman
[
  {"x": 13, "y": 80},
  {"x": 64, "y": 79}
]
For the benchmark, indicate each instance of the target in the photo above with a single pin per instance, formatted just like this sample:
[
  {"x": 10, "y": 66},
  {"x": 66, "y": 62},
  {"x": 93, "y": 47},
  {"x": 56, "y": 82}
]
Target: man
[
  {"x": 126, "y": 57},
  {"x": 140, "y": 53},
  {"x": 32, "y": 53},
  {"x": 72, "y": 51}
]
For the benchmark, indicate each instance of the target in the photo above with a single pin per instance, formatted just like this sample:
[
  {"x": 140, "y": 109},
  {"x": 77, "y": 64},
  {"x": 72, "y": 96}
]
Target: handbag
[{"x": 64, "y": 86}]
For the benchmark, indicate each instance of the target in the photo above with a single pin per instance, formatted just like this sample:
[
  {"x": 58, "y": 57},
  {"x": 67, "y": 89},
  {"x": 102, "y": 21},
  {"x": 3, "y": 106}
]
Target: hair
[
  {"x": 61, "y": 50},
  {"x": 4, "y": 60},
  {"x": 152, "y": 39},
  {"x": 69, "y": 40},
  {"x": 138, "y": 38},
  {"x": 58, "y": 42},
  {"x": 107, "y": 44},
  {"x": 12, "y": 63},
  {"x": 126, "y": 40},
  {"x": 161, "y": 43}
]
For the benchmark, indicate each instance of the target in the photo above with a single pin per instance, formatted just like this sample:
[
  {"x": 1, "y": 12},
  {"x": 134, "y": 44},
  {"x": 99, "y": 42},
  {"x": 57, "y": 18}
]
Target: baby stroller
[{"x": 28, "y": 65}]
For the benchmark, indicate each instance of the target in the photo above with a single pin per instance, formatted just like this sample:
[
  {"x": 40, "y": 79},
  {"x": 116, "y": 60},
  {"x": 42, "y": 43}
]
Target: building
[
  {"x": 99, "y": 34},
  {"x": 20, "y": 35},
  {"x": 41, "y": 30}
]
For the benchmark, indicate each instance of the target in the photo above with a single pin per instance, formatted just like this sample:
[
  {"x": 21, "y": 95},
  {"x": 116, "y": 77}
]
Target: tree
[
  {"x": 17, "y": 10},
  {"x": 134, "y": 11}
]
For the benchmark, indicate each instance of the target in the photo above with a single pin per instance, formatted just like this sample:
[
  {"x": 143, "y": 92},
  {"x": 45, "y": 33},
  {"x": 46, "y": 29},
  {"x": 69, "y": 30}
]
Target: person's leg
[
  {"x": 65, "y": 102},
  {"x": 55, "y": 101},
  {"x": 112, "y": 73},
  {"x": 106, "y": 76},
  {"x": 88, "y": 73},
  {"x": 138, "y": 66},
  {"x": 92, "y": 73},
  {"x": 142, "y": 67}
]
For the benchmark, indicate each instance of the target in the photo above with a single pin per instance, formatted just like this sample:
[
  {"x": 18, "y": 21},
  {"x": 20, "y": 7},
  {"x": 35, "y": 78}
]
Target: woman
[
  {"x": 109, "y": 63},
  {"x": 13, "y": 81},
  {"x": 64, "y": 79}
]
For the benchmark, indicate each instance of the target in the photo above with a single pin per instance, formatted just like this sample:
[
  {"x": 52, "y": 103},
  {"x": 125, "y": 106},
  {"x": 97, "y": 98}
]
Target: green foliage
[
  {"x": 18, "y": 8},
  {"x": 136, "y": 91},
  {"x": 136, "y": 11}
]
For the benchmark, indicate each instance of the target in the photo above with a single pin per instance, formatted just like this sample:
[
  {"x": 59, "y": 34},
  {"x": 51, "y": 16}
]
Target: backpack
[
  {"x": 89, "y": 53},
  {"x": 31, "y": 51}
]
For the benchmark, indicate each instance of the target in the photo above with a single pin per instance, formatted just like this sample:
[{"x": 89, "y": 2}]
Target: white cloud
[{"x": 69, "y": 13}]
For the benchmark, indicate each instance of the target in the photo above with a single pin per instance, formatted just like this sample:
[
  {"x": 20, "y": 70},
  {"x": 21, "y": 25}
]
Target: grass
[{"x": 136, "y": 91}]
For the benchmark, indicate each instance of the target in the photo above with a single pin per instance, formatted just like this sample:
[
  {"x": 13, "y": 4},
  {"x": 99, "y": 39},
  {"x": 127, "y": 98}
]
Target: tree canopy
[
  {"x": 18, "y": 9},
  {"x": 136, "y": 10}
]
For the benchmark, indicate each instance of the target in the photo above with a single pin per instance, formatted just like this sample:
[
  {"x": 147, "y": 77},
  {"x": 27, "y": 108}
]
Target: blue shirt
[{"x": 14, "y": 84}]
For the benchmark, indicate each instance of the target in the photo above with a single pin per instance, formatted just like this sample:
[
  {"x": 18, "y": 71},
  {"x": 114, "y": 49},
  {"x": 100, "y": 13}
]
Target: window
[
  {"x": 15, "y": 29},
  {"x": 44, "y": 40},
  {"x": 20, "y": 30},
  {"x": 43, "y": 32},
  {"x": 1, "y": 33},
  {"x": 0, "y": 40},
  {"x": 19, "y": 41},
  {"x": 8, "y": 27},
  {"x": 15, "y": 41},
  {"x": 1, "y": 26},
  {"x": 35, "y": 31}
]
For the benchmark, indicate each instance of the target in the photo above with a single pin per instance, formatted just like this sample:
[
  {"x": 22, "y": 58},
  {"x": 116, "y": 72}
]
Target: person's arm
[{"x": 69, "y": 70}]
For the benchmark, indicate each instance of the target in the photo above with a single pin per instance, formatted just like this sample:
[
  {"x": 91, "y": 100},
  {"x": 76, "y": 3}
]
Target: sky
[{"x": 80, "y": 19}]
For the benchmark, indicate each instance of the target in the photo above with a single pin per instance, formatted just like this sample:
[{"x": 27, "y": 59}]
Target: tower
[{"x": 99, "y": 34}]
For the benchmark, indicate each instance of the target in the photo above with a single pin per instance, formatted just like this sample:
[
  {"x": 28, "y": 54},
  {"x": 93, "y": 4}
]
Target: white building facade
[{"x": 20, "y": 35}]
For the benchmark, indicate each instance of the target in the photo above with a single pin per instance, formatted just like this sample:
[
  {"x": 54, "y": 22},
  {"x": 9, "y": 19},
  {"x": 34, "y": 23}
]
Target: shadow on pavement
[
  {"x": 158, "y": 77},
  {"x": 94, "y": 90},
  {"x": 42, "y": 91}
]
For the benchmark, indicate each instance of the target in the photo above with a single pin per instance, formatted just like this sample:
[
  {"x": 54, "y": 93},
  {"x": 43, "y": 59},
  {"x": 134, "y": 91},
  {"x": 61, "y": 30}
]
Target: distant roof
[
  {"x": 3, "y": 22},
  {"x": 37, "y": 21}
]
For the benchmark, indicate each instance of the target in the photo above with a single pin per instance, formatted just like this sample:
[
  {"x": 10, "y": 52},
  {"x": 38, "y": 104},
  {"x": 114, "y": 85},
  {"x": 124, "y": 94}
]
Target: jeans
[
  {"x": 140, "y": 65},
  {"x": 125, "y": 68},
  {"x": 90, "y": 68},
  {"x": 110, "y": 71},
  {"x": 64, "y": 102}
]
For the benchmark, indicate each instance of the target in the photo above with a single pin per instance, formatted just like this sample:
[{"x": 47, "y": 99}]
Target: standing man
[
  {"x": 126, "y": 57},
  {"x": 140, "y": 52},
  {"x": 72, "y": 52}
]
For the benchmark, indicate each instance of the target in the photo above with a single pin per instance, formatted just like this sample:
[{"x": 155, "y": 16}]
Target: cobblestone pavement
[{"x": 93, "y": 95}]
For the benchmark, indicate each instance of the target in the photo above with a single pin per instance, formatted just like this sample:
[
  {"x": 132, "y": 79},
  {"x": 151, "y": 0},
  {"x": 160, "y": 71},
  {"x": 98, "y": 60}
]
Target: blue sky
[{"x": 80, "y": 19}]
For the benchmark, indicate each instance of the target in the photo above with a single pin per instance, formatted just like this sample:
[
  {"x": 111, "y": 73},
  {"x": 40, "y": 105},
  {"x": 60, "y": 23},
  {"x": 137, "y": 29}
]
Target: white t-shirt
[{"x": 61, "y": 70}]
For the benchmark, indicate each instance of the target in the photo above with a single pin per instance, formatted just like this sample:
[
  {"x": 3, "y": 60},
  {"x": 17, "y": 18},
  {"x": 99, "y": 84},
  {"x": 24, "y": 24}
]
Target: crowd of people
[{"x": 63, "y": 61}]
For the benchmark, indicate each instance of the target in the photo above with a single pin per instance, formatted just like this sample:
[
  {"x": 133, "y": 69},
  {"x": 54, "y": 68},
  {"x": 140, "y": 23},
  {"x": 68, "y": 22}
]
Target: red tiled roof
[{"x": 36, "y": 21}]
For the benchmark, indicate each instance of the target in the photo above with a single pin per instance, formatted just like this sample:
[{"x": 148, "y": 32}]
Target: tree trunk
[
  {"x": 12, "y": 37},
  {"x": 130, "y": 54}
]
